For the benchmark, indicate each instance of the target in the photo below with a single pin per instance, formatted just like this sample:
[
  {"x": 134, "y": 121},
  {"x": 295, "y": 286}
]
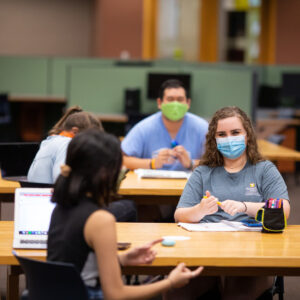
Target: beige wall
[
  {"x": 118, "y": 27},
  {"x": 45, "y": 27},
  {"x": 288, "y": 32}
]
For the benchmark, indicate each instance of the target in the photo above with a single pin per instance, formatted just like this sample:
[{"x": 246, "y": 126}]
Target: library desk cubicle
[{"x": 221, "y": 253}]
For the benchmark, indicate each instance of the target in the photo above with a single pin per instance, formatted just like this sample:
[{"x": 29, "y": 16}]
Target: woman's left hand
[
  {"x": 233, "y": 207},
  {"x": 140, "y": 255}
]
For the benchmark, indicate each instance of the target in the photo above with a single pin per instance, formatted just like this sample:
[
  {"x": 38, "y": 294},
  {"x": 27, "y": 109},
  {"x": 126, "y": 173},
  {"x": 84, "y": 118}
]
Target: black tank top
[{"x": 66, "y": 241}]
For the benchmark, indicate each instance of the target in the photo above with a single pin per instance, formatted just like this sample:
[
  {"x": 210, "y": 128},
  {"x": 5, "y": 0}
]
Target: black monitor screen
[
  {"x": 269, "y": 96},
  {"x": 16, "y": 158},
  {"x": 155, "y": 81},
  {"x": 291, "y": 85}
]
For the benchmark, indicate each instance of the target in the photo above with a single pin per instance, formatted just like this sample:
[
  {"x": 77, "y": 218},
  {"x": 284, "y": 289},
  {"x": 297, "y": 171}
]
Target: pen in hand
[{"x": 218, "y": 202}]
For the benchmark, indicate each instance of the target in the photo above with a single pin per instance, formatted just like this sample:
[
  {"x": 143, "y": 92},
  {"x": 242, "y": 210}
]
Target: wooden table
[
  {"x": 114, "y": 118},
  {"x": 221, "y": 253},
  {"x": 151, "y": 191},
  {"x": 276, "y": 152},
  {"x": 167, "y": 189},
  {"x": 267, "y": 127},
  {"x": 36, "y": 98}
]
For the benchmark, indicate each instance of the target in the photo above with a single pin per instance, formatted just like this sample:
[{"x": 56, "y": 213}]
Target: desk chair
[
  {"x": 52, "y": 280},
  {"x": 277, "y": 288}
]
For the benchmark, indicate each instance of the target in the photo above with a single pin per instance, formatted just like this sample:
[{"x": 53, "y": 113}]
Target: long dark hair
[
  {"x": 212, "y": 157},
  {"x": 95, "y": 160}
]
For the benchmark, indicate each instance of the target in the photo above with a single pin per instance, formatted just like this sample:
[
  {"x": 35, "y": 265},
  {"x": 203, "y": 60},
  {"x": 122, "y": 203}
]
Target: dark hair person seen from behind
[
  {"x": 83, "y": 233},
  {"x": 95, "y": 161}
]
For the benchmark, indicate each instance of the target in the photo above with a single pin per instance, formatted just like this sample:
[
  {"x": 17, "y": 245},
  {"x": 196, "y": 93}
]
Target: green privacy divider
[
  {"x": 213, "y": 89},
  {"x": 102, "y": 89},
  {"x": 23, "y": 75},
  {"x": 272, "y": 74},
  {"x": 59, "y": 68},
  {"x": 99, "y": 84}
]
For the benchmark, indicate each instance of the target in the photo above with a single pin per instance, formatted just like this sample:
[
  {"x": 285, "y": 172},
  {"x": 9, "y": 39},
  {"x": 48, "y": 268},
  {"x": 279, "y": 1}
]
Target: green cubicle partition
[
  {"x": 99, "y": 84},
  {"x": 24, "y": 75},
  {"x": 272, "y": 74},
  {"x": 60, "y": 67},
  {"x": 101, "y": 89}
]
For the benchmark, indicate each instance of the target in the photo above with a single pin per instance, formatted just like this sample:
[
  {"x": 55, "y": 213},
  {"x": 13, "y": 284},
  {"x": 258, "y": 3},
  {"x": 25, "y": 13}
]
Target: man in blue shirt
[{"x": 171, "y": 139}]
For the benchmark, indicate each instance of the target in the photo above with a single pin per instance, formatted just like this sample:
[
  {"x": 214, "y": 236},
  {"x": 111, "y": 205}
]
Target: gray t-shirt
[{"x": 254, "y": 183}]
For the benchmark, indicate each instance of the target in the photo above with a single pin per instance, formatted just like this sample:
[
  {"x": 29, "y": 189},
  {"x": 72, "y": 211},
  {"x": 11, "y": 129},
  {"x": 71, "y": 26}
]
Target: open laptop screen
[{"x": 33, "y": 210}]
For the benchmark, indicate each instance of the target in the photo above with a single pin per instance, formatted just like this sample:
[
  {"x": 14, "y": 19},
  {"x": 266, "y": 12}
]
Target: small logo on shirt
[{"x": 251, "y": 190}]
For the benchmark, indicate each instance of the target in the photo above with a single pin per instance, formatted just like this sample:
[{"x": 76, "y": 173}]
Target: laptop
[{"x": 33, "y": 210}]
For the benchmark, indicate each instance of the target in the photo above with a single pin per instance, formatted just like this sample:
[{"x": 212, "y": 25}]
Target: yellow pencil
[{"x": 218, "y": 202}]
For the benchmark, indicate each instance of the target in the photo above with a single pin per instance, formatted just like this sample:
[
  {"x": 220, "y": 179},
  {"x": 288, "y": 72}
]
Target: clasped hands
[
  {"x": 168, "y": 156},
  {"x": 209, "y": 205}
]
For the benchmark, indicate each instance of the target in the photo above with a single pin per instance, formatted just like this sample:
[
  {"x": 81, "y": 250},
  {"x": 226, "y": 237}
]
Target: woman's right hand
[
  {"x": 208, "y": 204},
  {"x": 181, "y": 275}
]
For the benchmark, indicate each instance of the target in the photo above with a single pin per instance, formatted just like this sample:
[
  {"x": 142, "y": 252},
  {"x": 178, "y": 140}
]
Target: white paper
[
  {"x": 149, "y": 173},
  {"x": 224, "y": 225}
]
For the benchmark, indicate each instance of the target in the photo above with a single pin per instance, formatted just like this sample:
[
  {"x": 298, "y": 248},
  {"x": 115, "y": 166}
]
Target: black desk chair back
[
  {"x": 52, "y": 280},
  {"x": 277, "y": 288}
]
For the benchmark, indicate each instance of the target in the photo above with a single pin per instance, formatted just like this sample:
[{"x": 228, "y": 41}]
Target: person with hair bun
[{"x": 83, "y": 233}]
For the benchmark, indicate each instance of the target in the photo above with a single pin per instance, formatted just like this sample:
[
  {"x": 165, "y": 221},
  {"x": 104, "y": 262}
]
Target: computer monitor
[
  {"x": 155, "y": 81},
  {"x": 291, "y": 88},
  {"x": 269, "y": 96},
  {"x": 16, "y": 158}
]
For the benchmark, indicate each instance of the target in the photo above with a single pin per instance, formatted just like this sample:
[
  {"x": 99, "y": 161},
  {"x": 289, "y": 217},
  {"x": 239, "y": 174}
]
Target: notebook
[
  {"x": 150, "y": 173},
  {"x": 33, "y": 210},
  {"x": 223, "y": 225}
]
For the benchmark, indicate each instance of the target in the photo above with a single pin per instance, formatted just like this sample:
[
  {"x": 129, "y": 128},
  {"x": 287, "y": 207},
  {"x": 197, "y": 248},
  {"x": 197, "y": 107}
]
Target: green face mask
[{"x": 174, "y": 110}]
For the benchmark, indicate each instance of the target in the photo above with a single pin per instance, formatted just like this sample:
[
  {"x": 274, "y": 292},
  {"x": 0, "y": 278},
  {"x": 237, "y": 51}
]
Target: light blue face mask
[{"x": 231, "y": 147}]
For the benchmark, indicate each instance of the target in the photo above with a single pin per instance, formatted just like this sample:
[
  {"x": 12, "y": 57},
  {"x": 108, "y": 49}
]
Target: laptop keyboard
[{"x": 34, "y": 240}]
